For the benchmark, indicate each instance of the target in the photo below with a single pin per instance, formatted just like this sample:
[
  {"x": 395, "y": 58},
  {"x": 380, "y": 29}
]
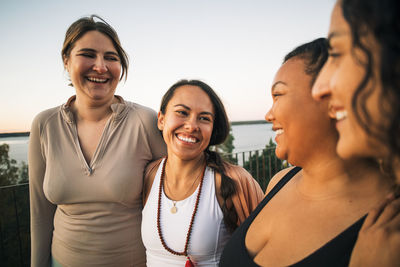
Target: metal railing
[
  {"x": 14, "y": 205},
  {"x": 14, "y": 225},
  {"x": 262, "y": 164}
]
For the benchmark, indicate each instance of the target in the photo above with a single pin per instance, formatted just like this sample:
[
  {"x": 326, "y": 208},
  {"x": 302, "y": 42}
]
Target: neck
[
  {"x": 181, "y": 171},
  {"x": 92, "y": 111},
  {"x": 332, "y": 176}
]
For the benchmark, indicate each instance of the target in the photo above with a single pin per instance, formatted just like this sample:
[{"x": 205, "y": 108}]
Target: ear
[
  {"x": 160, "y": 122},
  {"x": 65, "y": 61}
]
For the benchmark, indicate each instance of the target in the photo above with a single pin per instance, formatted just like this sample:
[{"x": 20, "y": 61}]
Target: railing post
[
  {"x": 18, "y": 227},
  {"x": 1, "y": 240},
  {"x": 257, "y": 165},
  {"x": 251, "y": 164},
  {"x": 264, "y": 173},
  {"x": 269, "y": 165}
]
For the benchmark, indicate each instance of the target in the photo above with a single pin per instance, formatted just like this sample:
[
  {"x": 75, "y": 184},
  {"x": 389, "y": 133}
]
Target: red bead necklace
[{"x": 189, "y": 263}]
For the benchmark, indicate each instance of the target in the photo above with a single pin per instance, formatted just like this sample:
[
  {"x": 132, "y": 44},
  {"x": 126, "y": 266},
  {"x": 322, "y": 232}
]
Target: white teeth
[
  {"x": 96, "y": 80},
  {"x": 340, "y": 115},
  {"x": 187, "y": 139},
  {"x": 279, "y": 131}
]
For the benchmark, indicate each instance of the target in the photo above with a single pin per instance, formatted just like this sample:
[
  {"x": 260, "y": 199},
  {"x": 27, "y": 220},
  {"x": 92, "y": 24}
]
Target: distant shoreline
[
  {"x": 248, "y": 122},
  {"x": 18, "y": 134}
]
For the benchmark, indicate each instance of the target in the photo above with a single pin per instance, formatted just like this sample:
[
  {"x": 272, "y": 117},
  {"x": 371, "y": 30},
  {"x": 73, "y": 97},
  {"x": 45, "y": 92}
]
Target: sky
[{"x": 234, "y": 46}]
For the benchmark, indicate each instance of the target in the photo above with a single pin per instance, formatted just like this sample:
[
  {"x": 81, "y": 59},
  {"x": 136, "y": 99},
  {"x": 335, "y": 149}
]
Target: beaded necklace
[{"x": 189, "y": 263}]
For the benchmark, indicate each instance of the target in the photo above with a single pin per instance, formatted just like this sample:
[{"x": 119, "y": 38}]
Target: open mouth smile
[
  {"x": 191, "y": 140},
  {"x": 97, "y": 80}
]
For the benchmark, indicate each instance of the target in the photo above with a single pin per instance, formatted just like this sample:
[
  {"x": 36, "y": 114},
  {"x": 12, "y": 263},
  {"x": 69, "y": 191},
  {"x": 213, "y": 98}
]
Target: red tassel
[{"x": 189, "y": 263}]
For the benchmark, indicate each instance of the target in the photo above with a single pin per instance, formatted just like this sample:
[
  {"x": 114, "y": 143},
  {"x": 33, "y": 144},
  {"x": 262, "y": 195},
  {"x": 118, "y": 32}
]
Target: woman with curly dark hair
[{"x": 362, "y": 81}]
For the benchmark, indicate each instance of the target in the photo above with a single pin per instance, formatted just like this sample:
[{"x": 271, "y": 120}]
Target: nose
[
  {"x": 269, "y": 116},
  {"x": 191, "y": 124},
  {"x": 100, "y": 65},
  {"x": 321, "y": 88}
]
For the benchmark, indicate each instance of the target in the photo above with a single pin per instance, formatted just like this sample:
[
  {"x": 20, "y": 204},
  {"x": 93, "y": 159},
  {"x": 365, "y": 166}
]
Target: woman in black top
[{"x": 311, "y": 215}]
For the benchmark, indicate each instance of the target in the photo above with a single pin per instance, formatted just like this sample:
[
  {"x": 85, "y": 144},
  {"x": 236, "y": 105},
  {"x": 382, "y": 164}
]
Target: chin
[
  {"x": 280, "y": 153},
  {"x": 349, "y": 151}
]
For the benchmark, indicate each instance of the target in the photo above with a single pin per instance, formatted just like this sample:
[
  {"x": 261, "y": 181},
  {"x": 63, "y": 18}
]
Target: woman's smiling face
[
  {"x": 94, "y": 66},
  {"x": 299, "y": 121},
  {"x": 188, "y": 121},
  {"x": 338, "y": 81}
]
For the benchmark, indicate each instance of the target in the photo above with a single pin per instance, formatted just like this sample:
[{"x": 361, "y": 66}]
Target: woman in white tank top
[{"x": 191, "y": 206}]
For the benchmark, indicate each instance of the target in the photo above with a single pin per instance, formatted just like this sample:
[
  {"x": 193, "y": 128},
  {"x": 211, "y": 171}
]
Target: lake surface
[
  {"x": 247, "y": 137},
  {"x": 18, "y": 147}
]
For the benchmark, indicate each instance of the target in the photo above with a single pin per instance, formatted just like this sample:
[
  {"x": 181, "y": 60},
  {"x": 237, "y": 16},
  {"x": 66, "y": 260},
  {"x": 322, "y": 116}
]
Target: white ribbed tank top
[{"x": 209, "y": 234}]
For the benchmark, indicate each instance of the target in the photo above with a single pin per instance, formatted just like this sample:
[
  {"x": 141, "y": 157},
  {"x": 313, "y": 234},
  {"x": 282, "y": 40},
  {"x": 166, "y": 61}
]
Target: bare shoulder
[
  {"x": 149, "y": 175},
  {"x": 277, "y": 177}
]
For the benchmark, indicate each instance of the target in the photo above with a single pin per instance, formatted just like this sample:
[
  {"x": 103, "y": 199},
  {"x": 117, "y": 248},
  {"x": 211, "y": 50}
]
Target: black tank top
[{"x": 336, "y": 252}]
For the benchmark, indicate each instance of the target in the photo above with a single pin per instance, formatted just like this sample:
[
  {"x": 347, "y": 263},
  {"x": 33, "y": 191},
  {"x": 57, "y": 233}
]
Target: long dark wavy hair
[
  {"x": 219, "y": 133},
  {"x": 381, "y": 20}
]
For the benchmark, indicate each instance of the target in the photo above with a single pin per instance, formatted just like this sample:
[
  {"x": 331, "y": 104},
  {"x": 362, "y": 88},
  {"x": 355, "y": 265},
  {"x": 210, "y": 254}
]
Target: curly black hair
[
  {"x": 379, "y": 19},
  {"x": 314, "y": 54}
]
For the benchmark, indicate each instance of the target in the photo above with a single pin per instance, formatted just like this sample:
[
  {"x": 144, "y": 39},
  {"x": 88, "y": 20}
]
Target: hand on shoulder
[{"x": 378, "y": 242}]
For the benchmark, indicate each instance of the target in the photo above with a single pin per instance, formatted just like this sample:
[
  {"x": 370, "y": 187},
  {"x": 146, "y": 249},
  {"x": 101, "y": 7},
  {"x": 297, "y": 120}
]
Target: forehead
[
  {"x": 95, "y": 38},
  {"x": 338, "y": 24},
  {"x": 292, "y": 72},
  {"x": 191, "y": 96}
]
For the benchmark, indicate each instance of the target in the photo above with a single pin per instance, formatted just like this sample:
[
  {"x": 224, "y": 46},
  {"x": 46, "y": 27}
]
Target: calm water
[
  {"x": 247, "y": 137},
  {"x": 18, "y": 147},
  {"x": 251, "y": 136}
]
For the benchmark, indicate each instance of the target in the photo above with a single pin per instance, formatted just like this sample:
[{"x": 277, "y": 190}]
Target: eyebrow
[
  {"x": 336, "y": 34},
  {"x": 95, "y": 51},
  {"x": 186, "y": 107},
  {"x": 276, "y": 84}
]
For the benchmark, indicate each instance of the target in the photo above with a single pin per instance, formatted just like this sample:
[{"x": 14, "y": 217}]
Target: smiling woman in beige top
[{"x": 87, "y": 157}]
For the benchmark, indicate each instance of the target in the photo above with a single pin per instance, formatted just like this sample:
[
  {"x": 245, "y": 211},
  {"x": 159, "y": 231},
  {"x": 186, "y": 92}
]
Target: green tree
[
  {"x": 226, "y": 148},
  {"x": 23, "y": 173},
  {"x": 9, "y": 171}
]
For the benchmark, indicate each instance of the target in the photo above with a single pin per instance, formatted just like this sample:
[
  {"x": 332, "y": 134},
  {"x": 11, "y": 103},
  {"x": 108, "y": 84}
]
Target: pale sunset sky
[{"x": 234, "y": 46}]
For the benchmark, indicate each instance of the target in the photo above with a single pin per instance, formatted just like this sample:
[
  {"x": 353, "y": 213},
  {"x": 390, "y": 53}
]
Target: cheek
[
  {"x": 280, "y": 110},
  {"x": 209, "y": 132},
  {"x": 116, "y": 70}
]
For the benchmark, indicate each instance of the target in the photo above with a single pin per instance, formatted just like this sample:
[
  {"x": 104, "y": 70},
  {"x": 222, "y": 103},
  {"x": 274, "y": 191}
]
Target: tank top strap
[
  {"x": 275, "y": 190},
  {"x": 284, "y": 181}
]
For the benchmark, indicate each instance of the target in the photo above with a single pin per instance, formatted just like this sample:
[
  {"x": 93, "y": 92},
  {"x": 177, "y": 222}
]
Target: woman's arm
[
  {"x": 149, "y": 175},
  {"x": 42, "y": 211},
  {"x": 156, "y": 141}
]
